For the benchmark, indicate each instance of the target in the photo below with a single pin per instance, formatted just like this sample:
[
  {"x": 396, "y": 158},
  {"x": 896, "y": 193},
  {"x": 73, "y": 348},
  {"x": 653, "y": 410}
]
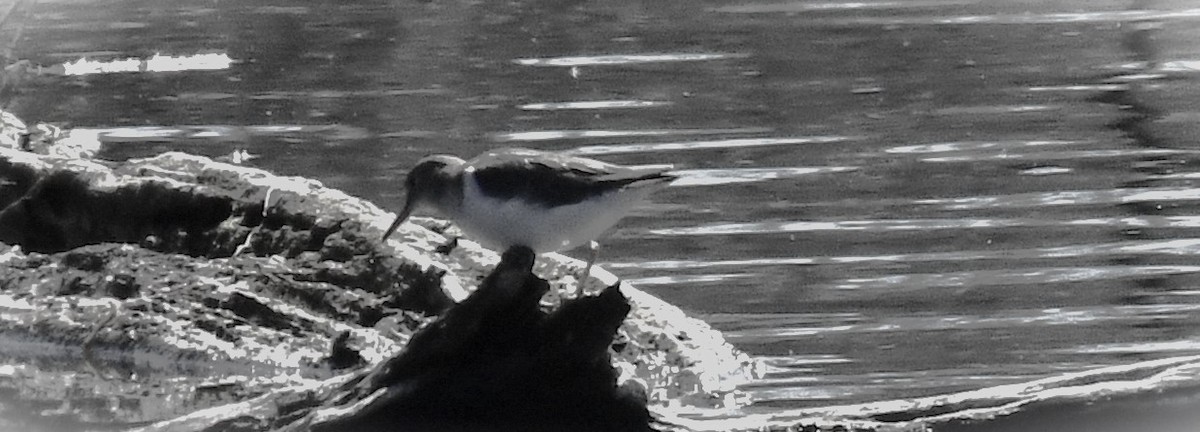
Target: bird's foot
[
  {"x": 586, "y": 274},
  {"x": 438, "y": 227},
  {"x": 448, "y": 246}
]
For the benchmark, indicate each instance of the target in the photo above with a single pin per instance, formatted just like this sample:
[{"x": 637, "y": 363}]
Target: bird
[{"x": 546, "y": 201}]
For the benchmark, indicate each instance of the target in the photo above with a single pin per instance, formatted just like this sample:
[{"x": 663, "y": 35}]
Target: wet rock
[
  {"x": 84, "y": 260},
  {"x": 253, "y": 310},
  {"x": 184, "y": 270},
  {"x": 42, "y": 138},
  {"x": 341, "y": 356},
  {"x": 60, "y": 212},
  {"x": 166, "y": 317},
  {"x": 121, "y": 286},
  {"x": 496, "y": 361}
]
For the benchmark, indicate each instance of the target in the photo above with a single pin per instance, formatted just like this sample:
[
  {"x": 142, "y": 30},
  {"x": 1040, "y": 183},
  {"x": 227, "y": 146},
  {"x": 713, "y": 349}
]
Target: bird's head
[{"x": 430, "y": 183}]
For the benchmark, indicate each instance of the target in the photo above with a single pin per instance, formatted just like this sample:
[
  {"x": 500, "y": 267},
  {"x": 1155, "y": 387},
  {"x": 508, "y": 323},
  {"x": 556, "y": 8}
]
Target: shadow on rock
[{"x": 61, "y": 211}]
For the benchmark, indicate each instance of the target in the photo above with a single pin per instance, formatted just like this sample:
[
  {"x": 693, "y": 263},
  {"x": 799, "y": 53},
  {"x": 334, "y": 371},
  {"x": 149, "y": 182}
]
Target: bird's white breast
[{"x": 502, "y": 223}]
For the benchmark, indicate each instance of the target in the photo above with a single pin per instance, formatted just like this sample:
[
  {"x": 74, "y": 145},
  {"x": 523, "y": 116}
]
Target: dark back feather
[{"x": 552, "y": 179}]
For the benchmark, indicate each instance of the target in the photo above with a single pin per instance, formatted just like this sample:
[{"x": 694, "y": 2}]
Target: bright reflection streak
[
  {"x": 1045, "y": 170},
  {"x": 806, "y": 6},
  {"x": 711, "y": 177},
  {"x": 1081, "y": 87},
  {"x": 689, "y": 279},
  {"x": 586, "y": 105},
  {"x": 1022, "y": 19},
  {"x": 1180, "y": 66},
  {"x": 993, "y": 109},
  {"x": 1017, "y": 276},
  {"x": 892, "y": 225},
  {"x": 959, "y": 146},
  {"x": 1007, "y": 319},
  {"x": 623, "y": 59},
  {"x": 1178, "y": 247},
  {"x": 704, "y": 145},
  {"x": 581, "y": 134},
  {"x": 1064, "y": 198},
  {"x": 1137, "y": 347},
  {"x": 156, "y": 63},
  {"x": 1060, "y": 155}
]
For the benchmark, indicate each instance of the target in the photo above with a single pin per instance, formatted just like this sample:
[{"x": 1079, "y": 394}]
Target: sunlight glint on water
[
  {"x": 598, "y": 150},
  {"x": 1179, "y": 247},
  {"x": 156, "y": 63}
]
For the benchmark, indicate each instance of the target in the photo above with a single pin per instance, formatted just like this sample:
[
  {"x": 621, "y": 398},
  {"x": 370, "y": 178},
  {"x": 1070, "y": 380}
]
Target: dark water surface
[{"x": 884, "y": 199}]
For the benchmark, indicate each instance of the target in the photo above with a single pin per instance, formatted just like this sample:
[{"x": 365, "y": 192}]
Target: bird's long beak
[{"x": 408, "y": 205}]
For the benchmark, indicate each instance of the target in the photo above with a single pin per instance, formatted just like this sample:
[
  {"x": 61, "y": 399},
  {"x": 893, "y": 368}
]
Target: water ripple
[
  {"x": 1062, "y": 198},
  {"x": 705, "y": 145},
  {"x": 712, "y": 177},
  {"x": 1021, "y": 19},
  {"x": 1178, "y": 247},
  {"x": 1180, "y": 66},
  {"x": 168, "y": 133},
  {"x": 589, "y": 105},
  {"x": 624, "y": 59},
  {"x": 1185, "y": 345},
  {"x": 977, "y": 145},
  {"x": 690, "y": 279},
  {"x": 339, "y": 94},
  {"x": 805, "y": 6},
  {"x": 782, "y": 363},
  {"x": 1062, "y": 155},
  {"x": 886, "y": 225},
  {"x": 993, "y": 109},
  {"x": 1001, "y": 319},
  {"x": 578, "y": 134},
  {"x": 1017, "y": 276},
  {"x": 1081, "y": 88},
  {"x": 1045, "y": 171}
]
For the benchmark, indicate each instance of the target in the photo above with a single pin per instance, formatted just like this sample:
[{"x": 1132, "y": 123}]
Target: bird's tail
[{"x": 652, "y": 176}]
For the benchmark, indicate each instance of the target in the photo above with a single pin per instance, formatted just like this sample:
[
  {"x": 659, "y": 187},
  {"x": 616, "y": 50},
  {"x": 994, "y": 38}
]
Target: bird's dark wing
[{"x": 554, "y": 179}]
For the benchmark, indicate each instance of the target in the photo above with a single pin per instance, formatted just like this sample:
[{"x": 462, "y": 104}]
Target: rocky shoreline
[{"x": 140, "y": 291}]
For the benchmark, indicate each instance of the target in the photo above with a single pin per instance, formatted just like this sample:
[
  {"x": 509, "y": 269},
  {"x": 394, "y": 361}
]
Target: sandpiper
[{"x": 543, "y": 200}]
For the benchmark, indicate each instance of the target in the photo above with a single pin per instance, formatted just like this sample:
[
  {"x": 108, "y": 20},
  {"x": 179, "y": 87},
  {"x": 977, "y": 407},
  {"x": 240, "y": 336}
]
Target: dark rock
[
  {"x": 424, "y": 293},
  {"x": 62, "y": 211},
  {"x": 498, "y": 362},
  {"x": 241, "y": 424},
  {"x": 448, "y": 246},
  {"x": 72, "y": 285},
  {"x": 341, "y": 356},
  {"x": 215, "y": 328},
  {"x": 256, "y": 312},
  {"x": 83, "y": 260},
  {"x": 15, "y": 180},
  {"x": 121, "y": 286},
  {"x": 229, "y": 315}
]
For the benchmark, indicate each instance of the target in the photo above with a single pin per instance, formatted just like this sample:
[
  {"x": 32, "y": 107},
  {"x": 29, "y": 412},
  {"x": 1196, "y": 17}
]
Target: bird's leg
[{"x": 593, "y": 253}]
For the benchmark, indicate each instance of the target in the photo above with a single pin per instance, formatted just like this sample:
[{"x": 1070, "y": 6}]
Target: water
[{"x": 882, "y": 199}]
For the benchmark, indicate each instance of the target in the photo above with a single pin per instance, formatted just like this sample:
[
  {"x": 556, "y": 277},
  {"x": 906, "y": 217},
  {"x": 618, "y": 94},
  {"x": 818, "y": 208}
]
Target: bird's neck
[{"x": 448, "y": 199}]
